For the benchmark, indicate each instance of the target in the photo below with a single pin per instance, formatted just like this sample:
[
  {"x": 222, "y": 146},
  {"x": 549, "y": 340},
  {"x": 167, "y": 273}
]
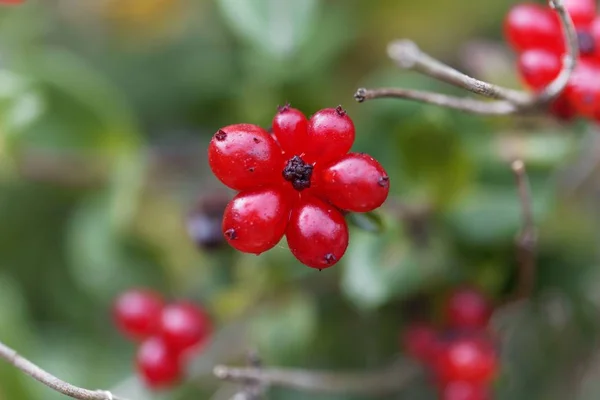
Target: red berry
[
  {"x": 356, "y": 182},
  {"x": 255, "y": 221},
  {"x": 158, "y": 366},
  {"x": 530, "y": 26},
  {"x": 468, "y": 308},
  {"x": 582, "y": 12},
  {"x": 137, "y": 313},
  {"x": 330, "y": 135},
  {"x": 468, "y": 359},
  {"x": 538, "y": 67},
  {"x": 595, "y": 34},
  {"x": 290, "y": 128},
  {"x": 422, "y": 342},
  {"x": 184, "y": 326},
  {"x": 461, "y": 390},
  {"x": 245, "y": 156},
  {"x": 583, "y": 90},
  {"x": 10, "y": 2},
  {"x": 317, "y": 233},
  {"x": 562, "y": 109}
]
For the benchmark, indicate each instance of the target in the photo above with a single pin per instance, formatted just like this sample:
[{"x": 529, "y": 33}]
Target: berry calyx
[
  {"x": 467, "y": 359},
  {"x": 330, "y": 135},
  {"x": 157, "y": 364},
  {"x": 184, "y": 326},
  {"x": 255, "y": 220},
  {"x": 532, "y": 26},
  {"x": 137, "y": 313},
  {"x": 290, "y": 128},
  {"x": 356, "y": 182},
  {"x": 463, "y": 390},
  {"x": 317, "y": 233},
  {"x": 244, "y": 156},
  {"x": 298, "y": 173},
  {"x": 467, "y": 308}
]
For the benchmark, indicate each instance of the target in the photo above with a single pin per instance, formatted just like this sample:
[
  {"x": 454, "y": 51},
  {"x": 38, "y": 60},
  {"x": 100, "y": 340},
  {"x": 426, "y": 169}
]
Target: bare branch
[
  {"x": 50, "y": 380},
  {"x": 381, "y": 382},
  {"x": 407, "y": 55},
  {"x": 527, "y": 239}
]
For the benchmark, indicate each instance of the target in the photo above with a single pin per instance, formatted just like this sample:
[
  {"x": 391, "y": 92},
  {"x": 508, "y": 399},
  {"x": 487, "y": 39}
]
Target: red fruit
[
  {"x": 255, "y": 221},
  {"x": 562, "y": 109},
  {"x": 290, "y": 128},
  {"x": 317, "y": 233},
  {"x": 183, "y": 326},
  {"x": 529, "y": 26},
  {"x": 330, "y": 135},
  {"x": 467, "y": 359},
  {"x": 467, "y": 308},
  {"x": 595, "y": 34},
  {"x": 538, "y": 67},
  {"x": 10, "y": 2},
  {"x": 356, "y": 182},
  {"x": 461, "y": 390},
  {"x": 137, "y": 313},
  {"x": 158, "y": 366},
  {"x": 422, "y": 342},
  {"x": 583, "y": 90},
  {"x": 245, "y": 156},
  {"x": 582, "y": 12}
]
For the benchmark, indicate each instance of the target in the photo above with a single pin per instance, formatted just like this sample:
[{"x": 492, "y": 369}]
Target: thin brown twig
[
  {"x": 50, "y": 380},
  {"x": 407, "y": 55},
  {"x": 382, "y": 382},
  {"x": 527, "y": 238}
]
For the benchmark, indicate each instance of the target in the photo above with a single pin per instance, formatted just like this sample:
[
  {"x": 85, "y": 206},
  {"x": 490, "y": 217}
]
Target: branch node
[{"x": 359, "y": 96}]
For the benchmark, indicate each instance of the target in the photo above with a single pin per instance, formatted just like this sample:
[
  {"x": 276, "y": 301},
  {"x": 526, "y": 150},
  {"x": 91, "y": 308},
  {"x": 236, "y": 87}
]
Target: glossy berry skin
[
  {"x": 184, "y": 326},
  {"x": 158, "y": 366},
  {"x": 317, "y": 233},
  {"x": 470, "y": 359},
  {"x": 255, "y": 221},
  {"x": 532, "y": 26},
  {"x": 467, "y": 308},
  {"x": 462, "y": 390},
  {"x": 137, "y": 313},
  {"x": 595, "y": 34},
  {"x": 290, "y": 128},
  {"x": 421, "y": 342},
  {"x": 245, "y": 156},
  {"x": 330, "y": 135},
  {"x": 583, "y": 90},
  {"x": 582, "y": 12},
  {"x": 356, "y": 182},
  {"x": 538, "y": 67}
]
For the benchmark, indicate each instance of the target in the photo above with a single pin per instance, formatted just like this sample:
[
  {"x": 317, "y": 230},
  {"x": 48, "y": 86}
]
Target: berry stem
[
  {"x": 407, "y": 55},
  {"x": 50, "y": 380}
]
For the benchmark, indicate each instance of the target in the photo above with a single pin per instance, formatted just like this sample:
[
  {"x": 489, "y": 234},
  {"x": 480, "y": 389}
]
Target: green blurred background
[{"x": 106, "y": 109}]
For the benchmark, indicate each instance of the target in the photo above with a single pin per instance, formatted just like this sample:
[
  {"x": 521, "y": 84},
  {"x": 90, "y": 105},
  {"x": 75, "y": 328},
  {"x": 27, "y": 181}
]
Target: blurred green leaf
[{"x": 369, "y": 221}]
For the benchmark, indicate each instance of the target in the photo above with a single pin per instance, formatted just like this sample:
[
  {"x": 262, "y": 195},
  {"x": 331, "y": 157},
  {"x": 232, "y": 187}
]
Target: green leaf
[
  {"x": 369, "y": 221},
  {"x": 278, "y": 27}
]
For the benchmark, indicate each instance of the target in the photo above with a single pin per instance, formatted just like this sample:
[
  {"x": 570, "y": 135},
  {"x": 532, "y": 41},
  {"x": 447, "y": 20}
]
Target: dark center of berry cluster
[
  {"x": 298, "y": 173},
  {"x": 587, "y": 45}
]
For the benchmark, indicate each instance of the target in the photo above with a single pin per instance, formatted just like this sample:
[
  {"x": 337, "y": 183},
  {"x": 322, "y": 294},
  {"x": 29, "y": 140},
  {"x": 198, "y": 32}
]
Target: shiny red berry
[
  {"x": 595, "y": 35},
  {"x": 462, "y": 390},
  {"x": 330, "y": 135},
  {"x": 245, "y": 156},
  {"x": 582, "y": 12},
  {"x": 137, "y": 313},
  {"x": 184, "y": 326},
  {"x": 467, "y": 308},
  {"x": 355, "y": 182},
  {"x": 470, "y": 359},
  {"x": 290, "y": 128},
  {"x": 158, "y": 366},
  {"x": 317, "y": 233},
  {"x": 583, "y": 90},
  {"x": 255, "y": 220},
  {"x": 530, "y": 26},
  {"x": 422, "y": 342},
  {"x": 538, "y": 67}
]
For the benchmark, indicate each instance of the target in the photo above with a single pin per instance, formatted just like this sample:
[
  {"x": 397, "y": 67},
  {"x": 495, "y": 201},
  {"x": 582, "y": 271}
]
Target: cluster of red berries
[
  {"x": 534, "y": 32},
  {"x": 168, "y": 333},
  {"x": 296, "y": 181},
  {"x": 461, "y": 356}
]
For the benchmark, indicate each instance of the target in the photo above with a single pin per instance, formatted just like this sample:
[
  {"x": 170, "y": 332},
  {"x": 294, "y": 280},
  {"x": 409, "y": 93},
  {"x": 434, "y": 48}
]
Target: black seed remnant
[
  {"x": 231, "y": 234},
  {"x": 340, "y": 111},
  {"x": 319, "y": 269},
  {"x": 330, "y": 258},
  {"x": 587, "y": 44},
  {"x": 384, "y": 181},
  {"x": 283, "y": 108},
  {"x": 251, "y": 169},
  {"x": 298, "y": 173},
  {"x": 256, "y": 140},
  {"x": 220, "y": 135}
]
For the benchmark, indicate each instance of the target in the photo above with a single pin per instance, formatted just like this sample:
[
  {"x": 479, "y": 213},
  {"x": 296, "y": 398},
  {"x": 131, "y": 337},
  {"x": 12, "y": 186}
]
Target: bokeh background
[{"x": 106, "y": 109}]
